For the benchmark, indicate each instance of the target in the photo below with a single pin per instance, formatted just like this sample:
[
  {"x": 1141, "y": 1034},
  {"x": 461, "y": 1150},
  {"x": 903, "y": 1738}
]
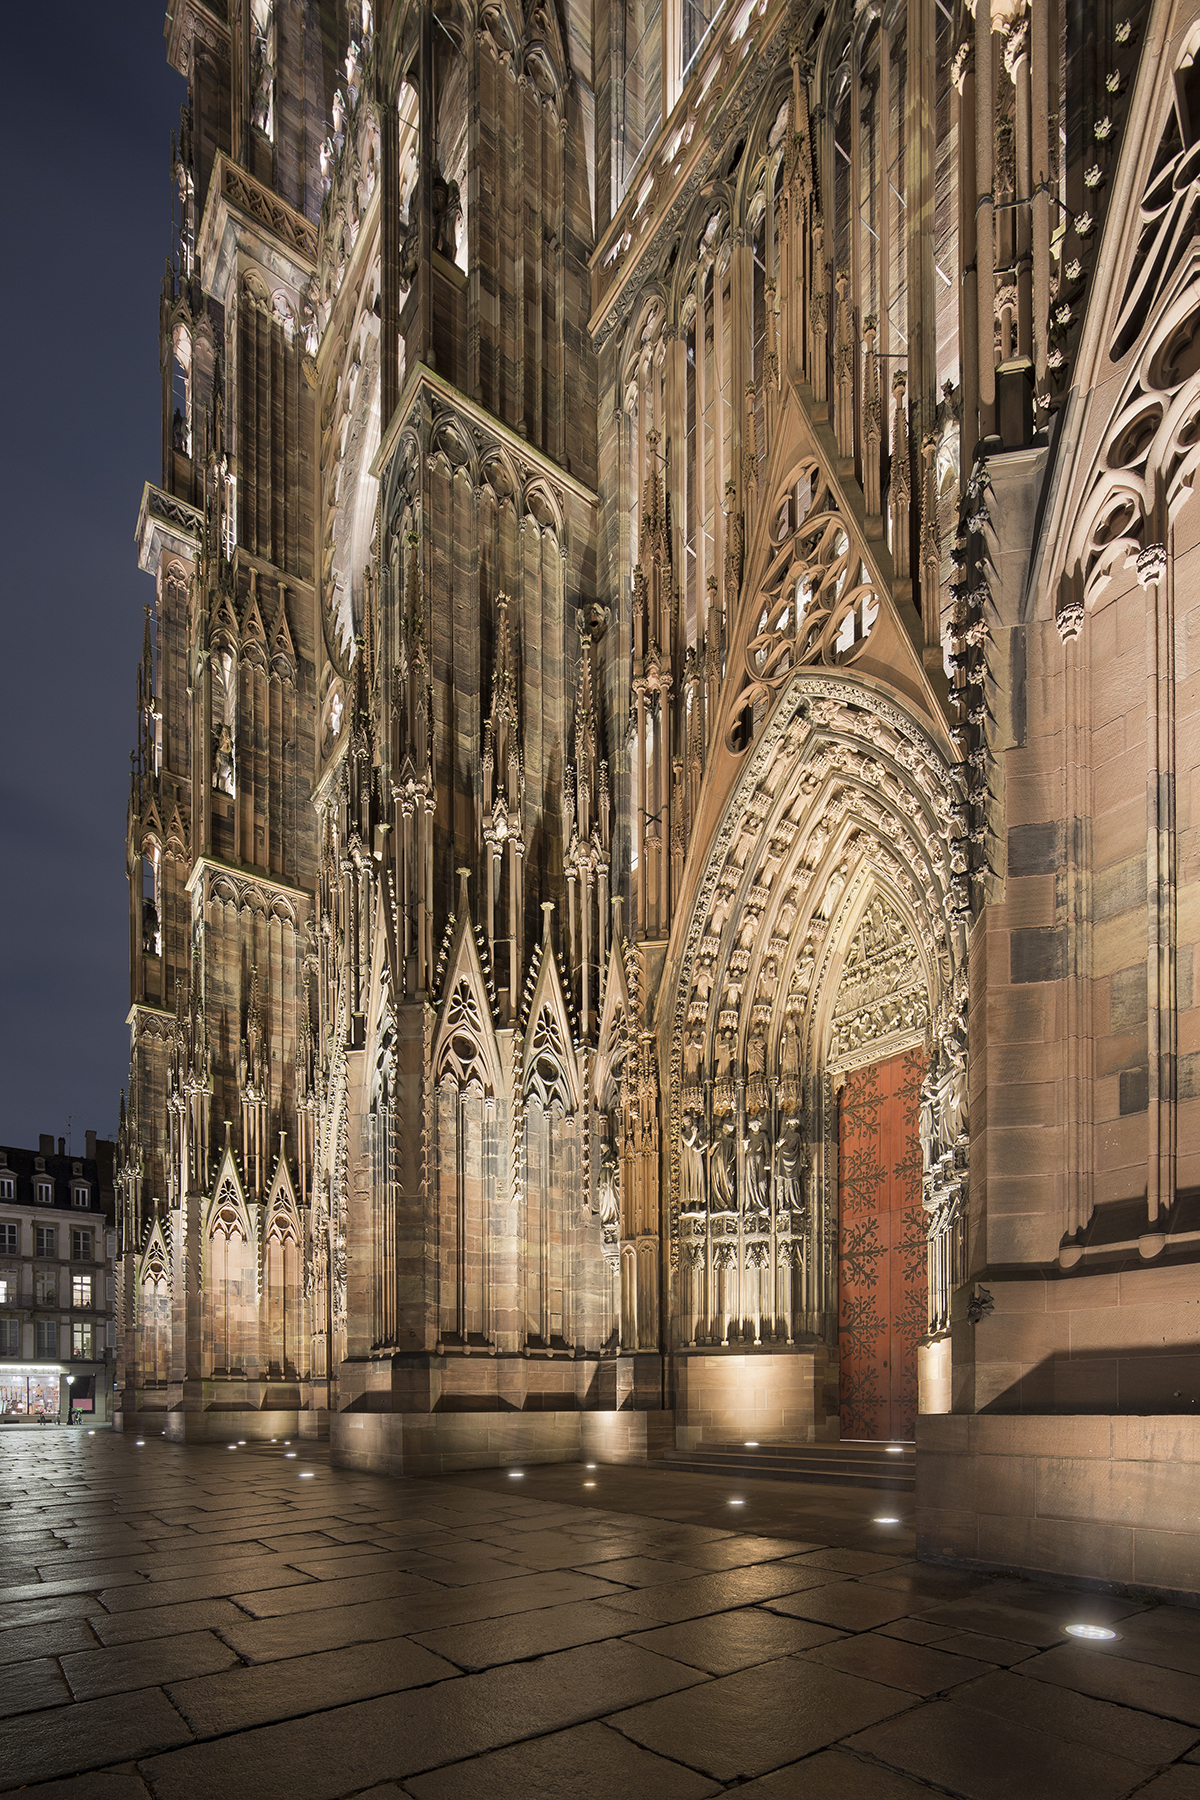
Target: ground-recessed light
[
  {"x": 887, "y": 1521},
  {"x": 241, "y": 1443},
  {"x": 590, "y": 1465},
  {"x": 273, "y": 1440},
  {"x": 589, "y": 1484},
  {"x": 231, "y": 1446},
  {"x": 91, "y": 1434},
  {"x": 287, "y": 1440},
  {"x": 141, "y": 1443},
  {"x": 307, "y": 1474},
  {"x": 1090, "y": 1631},
  {"x": 737, "y": 1503},
  {"x": 895, "y": 1449},
  {"x": 751, "y": 1444},
  {"x": 516, "y": 1474},
  {"x": 291, "y": 1453}
]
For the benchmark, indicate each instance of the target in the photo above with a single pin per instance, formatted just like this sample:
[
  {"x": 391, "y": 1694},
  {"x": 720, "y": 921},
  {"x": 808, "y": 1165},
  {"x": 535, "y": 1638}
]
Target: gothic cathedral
[{"x": 661, "y": 864}]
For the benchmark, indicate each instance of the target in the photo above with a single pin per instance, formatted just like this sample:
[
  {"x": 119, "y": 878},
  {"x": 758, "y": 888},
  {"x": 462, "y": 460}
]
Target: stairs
[{"x": 854, "y": 1462}]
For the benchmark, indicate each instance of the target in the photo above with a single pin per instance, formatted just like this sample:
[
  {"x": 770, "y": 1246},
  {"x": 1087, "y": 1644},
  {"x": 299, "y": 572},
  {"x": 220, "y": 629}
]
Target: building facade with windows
[
  {"x": 661, "y": 863},
  {"x": 57, "y": 1282}
]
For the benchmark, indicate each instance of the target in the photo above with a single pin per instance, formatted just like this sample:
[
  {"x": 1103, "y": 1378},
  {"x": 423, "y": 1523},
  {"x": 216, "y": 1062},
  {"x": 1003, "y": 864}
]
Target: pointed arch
[
  {"x": 464, "y": 1040},
  {"x": 550, "y": 1070}
]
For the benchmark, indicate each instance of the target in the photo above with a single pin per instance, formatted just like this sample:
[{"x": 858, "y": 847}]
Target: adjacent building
[
  {"x": 663, "y": 885},
  {"x": 57, "y": 1282}
]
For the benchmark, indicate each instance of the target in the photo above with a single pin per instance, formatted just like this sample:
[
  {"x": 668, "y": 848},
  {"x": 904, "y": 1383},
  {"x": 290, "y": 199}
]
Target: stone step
[{"x": 848, "y": 1464}]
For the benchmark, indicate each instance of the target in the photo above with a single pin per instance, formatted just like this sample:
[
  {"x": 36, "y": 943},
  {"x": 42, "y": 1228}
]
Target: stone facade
[{"x": 672, "y": 572}]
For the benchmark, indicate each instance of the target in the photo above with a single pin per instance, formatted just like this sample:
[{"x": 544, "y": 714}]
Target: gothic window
[
  {"x": 151, "y": 899},
  {"x": 546, "y": 1079},
  {"x": 639, "y": 90},
  {"x": 262, "y": 67},
  {"x": 461, "y": 1056},
  {"x": 1170, "y": 207}
]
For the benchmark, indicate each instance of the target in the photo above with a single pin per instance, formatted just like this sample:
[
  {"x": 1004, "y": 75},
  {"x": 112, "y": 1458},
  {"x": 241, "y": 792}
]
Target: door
[{"x": 882, "y": 1271}]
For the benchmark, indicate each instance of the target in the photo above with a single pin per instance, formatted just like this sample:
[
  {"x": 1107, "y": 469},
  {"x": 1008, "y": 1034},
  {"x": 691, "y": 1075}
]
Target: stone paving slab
[{"x": 186, "y": 1622}]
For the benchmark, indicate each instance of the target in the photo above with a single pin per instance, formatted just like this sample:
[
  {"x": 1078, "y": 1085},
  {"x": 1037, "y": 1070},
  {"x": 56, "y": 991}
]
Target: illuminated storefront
[{"x": 30, "y": 1390}]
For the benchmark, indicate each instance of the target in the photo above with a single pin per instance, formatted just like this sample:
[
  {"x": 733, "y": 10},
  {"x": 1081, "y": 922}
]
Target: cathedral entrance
[{"x": 882, "y": 1272}]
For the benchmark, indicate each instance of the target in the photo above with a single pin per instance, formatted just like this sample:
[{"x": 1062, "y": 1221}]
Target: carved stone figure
[
  {"x": 693, "y": 1149},
  {"x": 756, "y": 1195},
  {"x": 791, "y": 1165},
  {"x": 607, "y": 1192},
  {"x": 724, "y": 1169}
]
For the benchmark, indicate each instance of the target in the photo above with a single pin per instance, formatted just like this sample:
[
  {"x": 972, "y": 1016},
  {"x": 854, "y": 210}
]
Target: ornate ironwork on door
[{"x": 882, "y": 1276}]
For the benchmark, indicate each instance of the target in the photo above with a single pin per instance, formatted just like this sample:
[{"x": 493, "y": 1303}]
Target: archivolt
[{"x": 844, "y": 796}]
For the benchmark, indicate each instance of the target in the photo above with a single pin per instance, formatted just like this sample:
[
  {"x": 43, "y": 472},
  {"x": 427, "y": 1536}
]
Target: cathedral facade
[{"x": 661, "y": 899}]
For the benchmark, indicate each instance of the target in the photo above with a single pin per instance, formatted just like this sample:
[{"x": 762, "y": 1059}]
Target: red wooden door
[{"x": 882, "y": 1271}]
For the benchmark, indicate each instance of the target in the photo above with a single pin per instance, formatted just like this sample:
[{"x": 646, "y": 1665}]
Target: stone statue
[
  {"x": 724, "y": 1169},
  {"x": 791, "y": 1165},
  {"x": 607, "y": 1184},
  {"x": 223, "y": 763},
  {"x": 756, "y": 1196},
  {"x": 693, "y": 1146},
  {"x": 447, "y": 210}
]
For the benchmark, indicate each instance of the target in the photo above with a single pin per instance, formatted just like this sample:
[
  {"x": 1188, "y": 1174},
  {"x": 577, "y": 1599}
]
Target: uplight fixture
[
  {"x": 290, "y": 1455},
  {"x": 141, "y": 1443},
  {"x": 590, "y": 1465},
  {"x": 1092, "y": 1632},
  {"x": 751, "y": 1444},
  {"x": 895, "y": 1449},
  {"x": 737, "y": 1503},
  {"x": 589, "y": 1484},
  {"x": 888, "y": 1520},
  {"x": 307, "y": 1474},
  {"x": 516, "y": 1474}
]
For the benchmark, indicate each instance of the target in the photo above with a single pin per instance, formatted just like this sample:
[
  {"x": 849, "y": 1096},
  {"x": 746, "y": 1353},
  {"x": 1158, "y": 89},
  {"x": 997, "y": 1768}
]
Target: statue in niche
[
  {"x": 693, "y": 1147},
  {"x": 724, "y": 1169},
  {"x": 944, "y": 1096},
  {"x": 607, "y": 1191},
  {"x": 756, "y": 1196},
  {"x": 693, "y": 1055},
  {"x": 791, "y": 1165},
  {"x": 149, "y": 927},
  {"x": 223, "y": 763},
  {"x": 447, "y": 210}
]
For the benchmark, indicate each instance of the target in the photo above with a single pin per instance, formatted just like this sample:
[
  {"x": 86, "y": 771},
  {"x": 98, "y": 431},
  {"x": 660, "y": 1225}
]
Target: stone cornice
[
  {"x": 420, "y": 376},
  {"x": 166, "y": 523},
  {"x": 241, "y": 214}
]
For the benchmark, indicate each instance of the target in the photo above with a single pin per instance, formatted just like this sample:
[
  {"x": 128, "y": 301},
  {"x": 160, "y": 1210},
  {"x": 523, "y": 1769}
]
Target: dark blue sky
[{"x": 88, "y": 109}]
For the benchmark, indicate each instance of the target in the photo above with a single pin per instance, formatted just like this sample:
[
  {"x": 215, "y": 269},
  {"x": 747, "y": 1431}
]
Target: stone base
[
  {"x": 219, "y": 1427},
  {"x": 1104, "y": 1500},
  {"x": 443, "y": 1442},
  {"x": 774, "y": 1397}
]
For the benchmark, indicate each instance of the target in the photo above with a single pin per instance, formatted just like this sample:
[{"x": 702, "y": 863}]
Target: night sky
[{"x": 89, "y": 107}]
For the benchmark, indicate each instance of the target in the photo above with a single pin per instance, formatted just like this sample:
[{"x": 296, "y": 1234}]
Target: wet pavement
[{"x": 207, "y": 1622}]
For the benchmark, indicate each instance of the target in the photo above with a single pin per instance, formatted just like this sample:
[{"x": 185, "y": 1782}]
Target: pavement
[{"x": 200, "y": 1623}]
